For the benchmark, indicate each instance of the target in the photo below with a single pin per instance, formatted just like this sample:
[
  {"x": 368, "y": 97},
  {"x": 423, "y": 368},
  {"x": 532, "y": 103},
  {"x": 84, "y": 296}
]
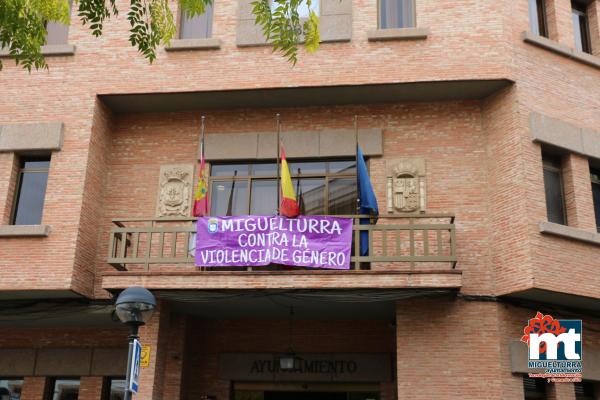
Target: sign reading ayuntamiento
[{"x": 252, "y": 240}]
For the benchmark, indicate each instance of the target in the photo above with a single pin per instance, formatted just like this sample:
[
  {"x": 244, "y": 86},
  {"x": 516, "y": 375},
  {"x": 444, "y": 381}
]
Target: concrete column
[
  {"x": 560, "y": 24},
  {"x": 156, "y": 335},
  {"x": 90, "y": 388},
  {"x": 578, "y": 192},
  {"x": 8, "y": 179},
  {"x": 593, "y": 12},
  {"x": 33, "y": 388}
]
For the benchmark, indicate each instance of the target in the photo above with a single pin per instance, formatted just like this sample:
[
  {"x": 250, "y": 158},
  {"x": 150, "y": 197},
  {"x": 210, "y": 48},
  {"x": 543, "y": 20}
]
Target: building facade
[{"x": 480, "y": 120}]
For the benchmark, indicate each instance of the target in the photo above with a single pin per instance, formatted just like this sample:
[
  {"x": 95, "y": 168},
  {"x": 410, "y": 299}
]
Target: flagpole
[
  {"x": 356, "y": 154},
  {"x": 202, "y": 138},
  {"x": 278, "y": 117}
]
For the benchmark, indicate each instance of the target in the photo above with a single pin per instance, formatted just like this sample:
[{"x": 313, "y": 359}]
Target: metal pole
[
  {"x": 356, "y": 152},
  {"x": 132, "y": 336},
  {"x": 278, "y": 161},
  {"x": 201, "y": 144}
]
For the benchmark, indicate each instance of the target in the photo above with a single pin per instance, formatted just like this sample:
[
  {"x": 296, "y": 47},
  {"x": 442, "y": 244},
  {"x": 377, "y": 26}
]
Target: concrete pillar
[
  {"x": 579, "y": 202},
  {"x": 90, "y": 388},
  {"x": 34, "y": 388},
  {"x": 156, "y": 335},
  {"x": 560, "y": 24}
]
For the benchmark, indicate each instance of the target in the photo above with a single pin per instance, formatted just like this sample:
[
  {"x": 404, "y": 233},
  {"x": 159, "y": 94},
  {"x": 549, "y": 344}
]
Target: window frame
[
  {"x": 581, "y": 10},
  {"x": 56, "y": 26},
  {"x": 107, "y": 383},
  {"x": 538, "y": 382},
  {"x": 209, "y": 27},
  {"x": 553, "y": 163},
  {"x": 541, "y": 18},
  {"x": 413, "y": 16},
  {"x": 328, "y": 176},
  {"x": 14, "y": 378},
  {"x": 21, "y": 171},
  {"x": 51, "y": 384}
]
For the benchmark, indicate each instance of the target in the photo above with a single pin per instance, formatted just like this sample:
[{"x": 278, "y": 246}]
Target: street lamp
[{"x": 134, "y": 307}]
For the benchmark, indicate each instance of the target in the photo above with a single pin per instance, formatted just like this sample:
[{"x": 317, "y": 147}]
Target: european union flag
[{"x": 366, "y": 198}]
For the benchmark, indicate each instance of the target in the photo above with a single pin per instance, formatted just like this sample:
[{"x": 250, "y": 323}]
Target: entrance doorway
[{"x": 306, "y": 391}]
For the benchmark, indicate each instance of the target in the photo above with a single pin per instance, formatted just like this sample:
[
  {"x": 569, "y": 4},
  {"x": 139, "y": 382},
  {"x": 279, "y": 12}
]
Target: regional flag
[
  {"x": 367, "y": 199},
  {"x": 289, "y": 206},
  {"x": 201, "y": 195}
]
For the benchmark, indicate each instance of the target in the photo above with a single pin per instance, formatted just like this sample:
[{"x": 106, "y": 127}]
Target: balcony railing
[{"x": 393, "y": 241}]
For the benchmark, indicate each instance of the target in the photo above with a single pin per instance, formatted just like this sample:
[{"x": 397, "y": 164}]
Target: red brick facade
[{"x": 483, "y": 166}]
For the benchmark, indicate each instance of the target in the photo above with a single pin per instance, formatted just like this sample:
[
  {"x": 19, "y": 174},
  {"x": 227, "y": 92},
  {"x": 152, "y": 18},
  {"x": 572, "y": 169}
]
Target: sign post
[{"x": 133, "y": 368}]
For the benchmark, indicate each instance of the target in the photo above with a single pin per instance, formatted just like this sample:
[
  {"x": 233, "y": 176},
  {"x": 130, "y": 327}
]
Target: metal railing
[{"x": 407, "y": 240}]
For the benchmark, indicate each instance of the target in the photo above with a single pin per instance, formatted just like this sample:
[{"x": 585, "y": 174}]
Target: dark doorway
[{"x": 305, "y": 396}]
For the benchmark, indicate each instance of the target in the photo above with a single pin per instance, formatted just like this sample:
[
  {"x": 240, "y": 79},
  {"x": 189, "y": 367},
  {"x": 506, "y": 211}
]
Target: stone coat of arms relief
[
  {"x": 174, "y": 190},
  {"x": 406, "y": 185}
]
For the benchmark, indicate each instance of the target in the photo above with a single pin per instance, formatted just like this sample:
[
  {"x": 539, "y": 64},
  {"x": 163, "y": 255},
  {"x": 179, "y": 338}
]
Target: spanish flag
[
  {"x": 201, "y": 195},
  {"x": 289, "y": 206}
]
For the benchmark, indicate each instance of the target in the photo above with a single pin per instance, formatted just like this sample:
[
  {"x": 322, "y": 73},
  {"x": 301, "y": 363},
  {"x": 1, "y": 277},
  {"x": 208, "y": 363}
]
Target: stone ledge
[
  {"x": 194, "y": 44},
  {"x": 44, "y": 136},
  {"x": 398, "y": 34},
  {"x": 24, "y": 230},
  {"x": 561, "y": 49},
  {"x": 570, "y": 233},
  {"x": 564, "y": 135},
  {"x": 49, "y": 50}
]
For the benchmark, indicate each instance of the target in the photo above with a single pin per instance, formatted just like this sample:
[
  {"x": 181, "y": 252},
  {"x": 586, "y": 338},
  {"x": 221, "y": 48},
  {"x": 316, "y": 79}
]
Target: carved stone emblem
[
  {"x": 174, "y": 190},
  {"x": 406, "y": 185}
]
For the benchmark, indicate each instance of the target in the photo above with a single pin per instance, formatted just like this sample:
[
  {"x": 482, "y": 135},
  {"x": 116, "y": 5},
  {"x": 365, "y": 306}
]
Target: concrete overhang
[
  {"x": 304, "y": 96},
  {"x": 290, "y": 280},
  {"x": 542, "y": 297}
]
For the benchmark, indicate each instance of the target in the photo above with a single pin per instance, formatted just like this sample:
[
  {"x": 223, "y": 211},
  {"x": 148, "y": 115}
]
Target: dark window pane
[
  {"x": 65, "y": 389},
  {"x": 311, "y": 195},
  {"x": 10, "y": 389},
  {"x": 269, "y": 169},
  {"x": 596, "y": 194},
  {"x": 342, "y": 167},
  {"x": 229, "y": 170},
  {"x": 117, "y": 389},
  {"x": 30, "y": 199},
  {"x": 264, "y": 197},
  {"x": 342, "y": 196},
  {"x": 36, "y": 164},
  {"x": 534, "y": 388},
  {"x": 57, "y": 33},
  {"x": 537, "y": 17},
  {"x": 554, "y": 197},
  {"x": 220, "y": 198},
  {"x": 396, "y": 14},
  {"x": 585, "y": 390},
  {"x": 197, "y": 27},
  {"x": 307, "y": 168},
  {"x": 581, "y": 28}
]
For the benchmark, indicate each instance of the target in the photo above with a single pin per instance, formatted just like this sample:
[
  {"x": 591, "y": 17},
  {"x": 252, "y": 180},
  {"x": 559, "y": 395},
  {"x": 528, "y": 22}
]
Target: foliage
[{"x": 23, "y": 24}]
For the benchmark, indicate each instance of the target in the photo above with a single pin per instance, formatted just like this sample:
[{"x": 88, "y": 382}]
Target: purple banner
[{"x": 252, "y": 240}]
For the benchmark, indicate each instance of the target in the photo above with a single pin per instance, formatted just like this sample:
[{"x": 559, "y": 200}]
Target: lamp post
[{"x": 134, "y": 307}]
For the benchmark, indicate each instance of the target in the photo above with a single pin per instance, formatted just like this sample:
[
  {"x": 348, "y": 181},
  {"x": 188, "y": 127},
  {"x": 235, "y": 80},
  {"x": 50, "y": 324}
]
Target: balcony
[
  {"x": 410, "y": 240},
  {"x": 414, "y": 251}
]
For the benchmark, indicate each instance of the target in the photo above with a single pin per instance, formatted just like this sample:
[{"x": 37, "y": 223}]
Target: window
[
  {"x": 57, "y": 33},
  {"x": 63, "y": 389},
  {"x": 10, "y": 388},
  {"x": 321, "y": 188},
  {"x": 31, "y": 190},
  {"x": 596, "y": 194},
  {"x": 397, "y": 14},
  {"x": 534, "y": 388},
  {"x": 585, "y": 390},
  {"x": 303, "y": 8},
  {"x": 537, "y": 17},
  {"x": 197, "y": 27},
  {"x": 114, "y": 389},
  {"x": 555, "y": 199},
  {"x": 581, "y": 28}
]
